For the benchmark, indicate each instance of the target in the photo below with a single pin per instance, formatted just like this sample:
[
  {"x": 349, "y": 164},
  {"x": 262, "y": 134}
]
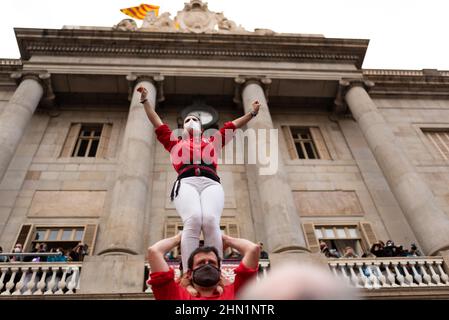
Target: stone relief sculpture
[
  {"x": 162, "y": 23},
  {"x": 227, "y": 26},
  {"x": 126, "y": 25},
  {"x": 195, "y": 17}
]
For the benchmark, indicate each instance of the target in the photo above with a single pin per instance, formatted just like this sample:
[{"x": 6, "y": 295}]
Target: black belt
[{"x": 193, "y": 171}]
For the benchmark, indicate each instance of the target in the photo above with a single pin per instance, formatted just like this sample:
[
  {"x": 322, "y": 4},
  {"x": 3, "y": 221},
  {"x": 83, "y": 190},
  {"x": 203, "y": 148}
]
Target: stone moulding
[
  {"x": 10, "y": 62},
  {"x": 409, "y": 83},
  {"x": 61, "y": 49},
  {"x": 229, "y": 46}
]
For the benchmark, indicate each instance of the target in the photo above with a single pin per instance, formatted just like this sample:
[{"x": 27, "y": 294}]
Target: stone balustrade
[
  {"x": 39, "y": 278},
  {"x": 403, "y": 272},
  {"x": 227, "y": 269}
]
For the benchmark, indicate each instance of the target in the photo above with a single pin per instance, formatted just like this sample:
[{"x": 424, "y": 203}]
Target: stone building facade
[{"x": 363, "y": 154}]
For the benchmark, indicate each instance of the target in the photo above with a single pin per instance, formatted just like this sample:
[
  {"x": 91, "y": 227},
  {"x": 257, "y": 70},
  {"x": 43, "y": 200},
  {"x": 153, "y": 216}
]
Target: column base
[{"x": 112, "y": 274}]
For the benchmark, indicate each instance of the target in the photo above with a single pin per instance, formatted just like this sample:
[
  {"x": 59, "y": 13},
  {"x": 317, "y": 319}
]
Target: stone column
[
  {"x": 283, "y": 230},
  {"x": 16, "y": 116},
  {"x": 123, "y": 233},
  {"x": 429, "y": 222}
]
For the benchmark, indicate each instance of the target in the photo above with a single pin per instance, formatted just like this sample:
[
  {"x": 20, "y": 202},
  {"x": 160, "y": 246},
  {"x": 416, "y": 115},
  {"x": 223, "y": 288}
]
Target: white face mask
[{"x": 192, "y": 126}]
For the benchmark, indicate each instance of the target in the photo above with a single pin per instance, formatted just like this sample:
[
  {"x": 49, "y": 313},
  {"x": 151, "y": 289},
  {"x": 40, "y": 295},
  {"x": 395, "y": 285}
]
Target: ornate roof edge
[
  {"x": 10, "y": 62},
  {"x": 410, "y": 83},
  {"x": 189, "y": 45},
  {"x": 405, "y": 73}
]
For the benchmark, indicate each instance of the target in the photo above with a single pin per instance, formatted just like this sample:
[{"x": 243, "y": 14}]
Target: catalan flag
[{"x": 141, "y": 11}]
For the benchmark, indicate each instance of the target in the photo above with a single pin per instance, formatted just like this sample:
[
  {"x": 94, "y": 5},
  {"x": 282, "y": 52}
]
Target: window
[
  {"x": 56, "y": 237},
  {"x": 359, "y": 235},
  {"x": 87, "y": 140},
  {"x": 439, "y": 138},
  {"x": 64, "y": 236},
  {"x": 305, "y": 143},
  {"x": 338, "y": 238}
]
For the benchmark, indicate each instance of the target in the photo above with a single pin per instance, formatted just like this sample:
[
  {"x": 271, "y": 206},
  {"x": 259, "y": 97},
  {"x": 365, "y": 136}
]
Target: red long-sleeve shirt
[
  {"x": 166, "y": 288},
  {"x": 189, "y": 151}
]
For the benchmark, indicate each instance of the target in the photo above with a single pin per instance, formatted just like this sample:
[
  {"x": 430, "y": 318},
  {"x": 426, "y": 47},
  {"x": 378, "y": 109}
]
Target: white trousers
[{"x": 199, "y": 203}]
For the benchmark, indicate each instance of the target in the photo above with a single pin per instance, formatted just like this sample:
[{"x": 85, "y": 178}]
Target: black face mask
[{"x": 206, "y": 276}]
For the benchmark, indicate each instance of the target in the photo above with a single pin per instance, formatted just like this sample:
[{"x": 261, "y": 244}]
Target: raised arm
[
  {"x": 248, "y": 249},
  {"x": 157, "y": 251},
  {"x": 149, "y": 110},
  {"x": 240, "y": 122}
]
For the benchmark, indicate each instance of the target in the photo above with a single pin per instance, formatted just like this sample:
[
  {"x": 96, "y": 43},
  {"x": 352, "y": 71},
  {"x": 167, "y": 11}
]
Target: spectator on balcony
[
  {"x": 17, "y": 249},
  {"x": 203, "y": 271},
  {"x": 234, "y": 254},
  {"x": 377, "y": 249},
  {"x": 390, "y": 250},
  {"x": 3, "y": 258},
  {"x": 350, "y": 253},
  {"x": 60, "y": 258},
  {"x": 78, "y": 253},
  {"x": 263, "y": 253},
  {"x": 414, "y": 251},
  {"x": 329, "y": 253},
  {"x": 42, "y": 248}
]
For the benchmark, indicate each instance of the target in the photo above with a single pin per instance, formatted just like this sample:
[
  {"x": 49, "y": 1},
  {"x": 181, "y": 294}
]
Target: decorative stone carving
[
  {"x": 162, "y": 23},
  {"x": 196, "y": 18},
  {"x": 227, "y": 26},
  {"x": 126, "y": 25},
  {"x": 264, "y": 32}
]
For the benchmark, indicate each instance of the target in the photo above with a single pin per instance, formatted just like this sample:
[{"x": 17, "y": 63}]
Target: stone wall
[
  {"x": 38, "y": 170},
  {"x": 406, "y": 117}
]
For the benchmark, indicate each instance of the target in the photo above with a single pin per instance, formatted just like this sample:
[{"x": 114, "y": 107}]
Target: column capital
[
  {"x": 156, "y": 79},
  {"x": 44, "y": 79},
  {"x": 340, "y": 105},
  {"x": 242, "y": 81}
]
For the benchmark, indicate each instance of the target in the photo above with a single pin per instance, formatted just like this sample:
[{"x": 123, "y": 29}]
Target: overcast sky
[{"x": 404, "y": 34}]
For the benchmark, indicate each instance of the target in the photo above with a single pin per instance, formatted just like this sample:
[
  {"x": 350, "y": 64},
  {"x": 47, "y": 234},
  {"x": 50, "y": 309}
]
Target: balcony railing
[
  {"x": 403, "y": 272},
  {"x": 35, "y": 278},
  {"x": 227, "y": 269}
]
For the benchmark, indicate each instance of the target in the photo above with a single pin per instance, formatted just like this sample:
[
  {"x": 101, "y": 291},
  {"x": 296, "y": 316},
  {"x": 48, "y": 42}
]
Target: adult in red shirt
[
  {"x": 203, "y": 270},
  {"x": 197, "y": 193}
]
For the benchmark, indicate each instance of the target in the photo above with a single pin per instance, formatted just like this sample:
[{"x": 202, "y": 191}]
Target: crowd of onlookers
[
  {"x": 378, "y": 249},
  {"x": 76, "y": 253}
]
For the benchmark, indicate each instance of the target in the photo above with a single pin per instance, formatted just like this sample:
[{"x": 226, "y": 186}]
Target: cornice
[
  {"x": 409, "y": 83},
  {"x": 184, "y": 45}
]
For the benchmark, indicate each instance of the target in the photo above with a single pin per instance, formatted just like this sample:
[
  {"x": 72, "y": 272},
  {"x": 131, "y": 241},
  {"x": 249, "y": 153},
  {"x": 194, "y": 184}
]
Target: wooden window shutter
[
  {"x": 104, "y": 140},
  {"x": 233, "y": 230},
  {"x": 90, "y": 235},
  {"x": 23, "y": 236},
  {"x": 312, "y": 241},
  {"x": 289, "y": 142},
  {"x": 368, "y": 234},
  {"x": 319, "y": 143},
  {"x": 171, "y": 229},
  {"x": 71, "y": 139}
]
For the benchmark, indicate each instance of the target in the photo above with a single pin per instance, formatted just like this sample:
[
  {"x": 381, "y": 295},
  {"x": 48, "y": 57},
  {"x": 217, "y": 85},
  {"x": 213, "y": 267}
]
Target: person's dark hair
[
  {"x": 1, "y": 249},
  {"x": 202, "y": 250}
]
